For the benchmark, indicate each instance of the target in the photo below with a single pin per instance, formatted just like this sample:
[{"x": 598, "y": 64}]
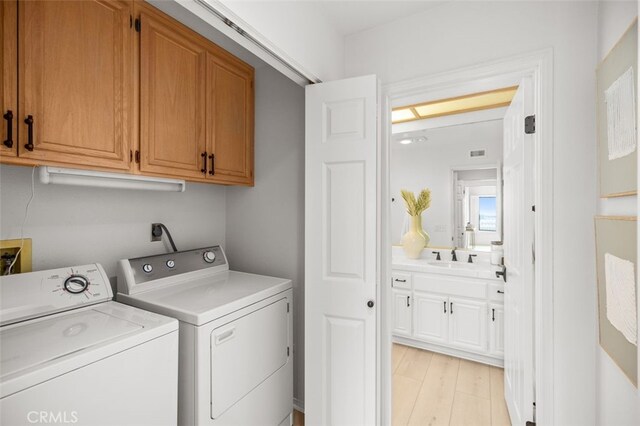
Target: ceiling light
[{"x": 92, "y": 178}]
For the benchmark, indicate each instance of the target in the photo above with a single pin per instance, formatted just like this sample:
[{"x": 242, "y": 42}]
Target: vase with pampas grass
[{"x": 416, "y": 238}]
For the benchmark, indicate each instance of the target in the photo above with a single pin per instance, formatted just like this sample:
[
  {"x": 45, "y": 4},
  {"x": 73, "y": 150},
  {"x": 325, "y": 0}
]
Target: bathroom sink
[{"x": 456, "y": 265}]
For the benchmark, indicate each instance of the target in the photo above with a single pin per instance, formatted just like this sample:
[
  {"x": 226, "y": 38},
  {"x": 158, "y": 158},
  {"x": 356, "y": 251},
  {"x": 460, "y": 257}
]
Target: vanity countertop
[{"x": 479, "y": 269}]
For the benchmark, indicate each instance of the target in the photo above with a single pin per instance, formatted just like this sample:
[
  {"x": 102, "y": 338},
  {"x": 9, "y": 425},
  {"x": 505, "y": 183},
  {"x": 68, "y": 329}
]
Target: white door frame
[{"x": 487, "y": 76}]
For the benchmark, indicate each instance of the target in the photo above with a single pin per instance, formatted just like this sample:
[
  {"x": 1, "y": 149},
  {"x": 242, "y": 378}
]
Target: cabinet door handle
[
  {"x": 500, "y": 292},
  {"x": 451, "y": 308},
  {"x": 29, "y": 122},
  {"x": 445, "y": 306},
  {"x": 408, "y": 304},
  {"x": 493, "y": 314},
  {"x": 401, "y": 281},
  {"x": 212, "y": 157},
  {"x": 204, "y": 163},
  {"x": 9, "y": 117}
]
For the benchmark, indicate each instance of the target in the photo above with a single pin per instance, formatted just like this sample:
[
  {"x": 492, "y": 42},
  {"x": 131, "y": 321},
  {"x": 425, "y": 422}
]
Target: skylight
[{"x": 467, "y": 103}]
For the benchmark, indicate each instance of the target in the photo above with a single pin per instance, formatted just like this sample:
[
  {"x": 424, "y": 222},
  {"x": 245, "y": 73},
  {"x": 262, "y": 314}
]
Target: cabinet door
[
  {"x": 468, "y": 324},
  {"x": 402, "y": 312},
  {"x": 9, "y": 79},
  {"x": 172, "y": 98},
  {"x": 230, "y": 119},
  {"x": 496, "y": 330},
  {"x": 75, "y": 82},
  {"x": 430, "y": 317}
]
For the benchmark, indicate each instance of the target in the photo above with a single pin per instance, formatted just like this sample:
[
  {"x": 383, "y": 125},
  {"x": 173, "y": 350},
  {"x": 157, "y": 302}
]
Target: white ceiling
[{"x": 353, "y": 16}]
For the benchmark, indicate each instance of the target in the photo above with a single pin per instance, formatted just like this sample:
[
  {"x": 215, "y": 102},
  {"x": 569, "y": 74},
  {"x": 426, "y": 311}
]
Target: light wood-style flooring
[{"x": 434, "y": 389}]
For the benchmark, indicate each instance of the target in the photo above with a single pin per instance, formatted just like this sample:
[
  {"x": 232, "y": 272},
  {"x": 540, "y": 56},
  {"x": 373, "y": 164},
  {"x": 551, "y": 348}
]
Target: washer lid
[
  {"x": 33, "y": 343},
  {"x": 206, "y": 299}
]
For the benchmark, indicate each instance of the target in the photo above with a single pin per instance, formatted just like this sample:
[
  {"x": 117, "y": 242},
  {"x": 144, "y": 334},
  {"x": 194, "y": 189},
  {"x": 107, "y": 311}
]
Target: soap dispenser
[{"x": 469, "y": 236}]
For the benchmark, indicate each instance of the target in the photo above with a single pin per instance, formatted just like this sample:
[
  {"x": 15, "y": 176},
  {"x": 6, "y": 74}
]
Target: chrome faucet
[
  {"x": 471, "y": 256},
  {"x": 437, "y": 253},
  {"x": 454, "y": 258}
]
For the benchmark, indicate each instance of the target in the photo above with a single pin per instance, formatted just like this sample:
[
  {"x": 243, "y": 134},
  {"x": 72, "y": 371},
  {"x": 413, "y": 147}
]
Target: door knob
[{"x": 370, "y": 303}]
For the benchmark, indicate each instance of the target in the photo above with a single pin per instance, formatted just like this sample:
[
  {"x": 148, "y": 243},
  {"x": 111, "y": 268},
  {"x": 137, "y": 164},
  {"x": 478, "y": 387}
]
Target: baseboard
[
  {"x": 496, "y": 362},
  {"x": 298, "y": 405}
]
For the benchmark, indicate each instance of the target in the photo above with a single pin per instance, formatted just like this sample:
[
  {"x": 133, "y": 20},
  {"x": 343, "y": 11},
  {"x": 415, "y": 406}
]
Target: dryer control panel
[
  {"x": 36, "y": 294},
  {"x": 142, "y": 273}
]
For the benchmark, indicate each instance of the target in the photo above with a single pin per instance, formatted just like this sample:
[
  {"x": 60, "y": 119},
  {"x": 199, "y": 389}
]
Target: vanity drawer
[
  {"x": 449, "y": 286},
  {"x": 496, "y": 292},
  {"x": 401, "y": 280}
]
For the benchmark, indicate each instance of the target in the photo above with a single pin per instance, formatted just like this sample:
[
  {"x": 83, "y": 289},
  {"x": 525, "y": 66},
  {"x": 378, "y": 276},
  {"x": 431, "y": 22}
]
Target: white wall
[
  {"x": 299, "y": 29},
  {"x": 72, "y": 225},
  {"x": 429, "y": 164},
  {"x": 265, "y": 224},
  {"x": 618, "y": 399},
  {"x": 459, "y": 34}
]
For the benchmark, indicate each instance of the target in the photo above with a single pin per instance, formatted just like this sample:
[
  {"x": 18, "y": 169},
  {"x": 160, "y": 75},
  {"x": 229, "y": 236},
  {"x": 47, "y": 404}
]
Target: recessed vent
[{"x": 477, "y": 153}]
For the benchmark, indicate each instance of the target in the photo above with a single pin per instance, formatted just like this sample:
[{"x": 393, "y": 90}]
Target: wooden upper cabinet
[
  {"x": 230, "y": 119},
  {"x": 172, "y": 99},
  {"x": 9, "y": 78},
  {"x": 75, "y": 82}
]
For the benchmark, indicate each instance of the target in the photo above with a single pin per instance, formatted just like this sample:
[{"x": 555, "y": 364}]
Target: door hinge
[
  {"x": 287, "y": 350},
  {"x": 530, "y": 124},
  {"x": 137, "y": 156},
  {"x": 137, "y": 25}
]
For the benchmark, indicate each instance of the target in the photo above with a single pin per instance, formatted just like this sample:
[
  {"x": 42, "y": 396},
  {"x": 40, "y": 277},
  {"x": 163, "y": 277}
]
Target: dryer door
[{"x": 245, "y": 352}]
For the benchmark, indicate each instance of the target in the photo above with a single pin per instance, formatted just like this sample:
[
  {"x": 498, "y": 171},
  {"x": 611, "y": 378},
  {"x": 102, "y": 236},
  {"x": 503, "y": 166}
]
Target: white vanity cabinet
[
  {"x": 431, "y": 319},
  {"x": 468, "y": 324},
  {"x": 496, "y": 330},
  {"x": 401, "y": 312},
  {"x": 459, "y": 316}
]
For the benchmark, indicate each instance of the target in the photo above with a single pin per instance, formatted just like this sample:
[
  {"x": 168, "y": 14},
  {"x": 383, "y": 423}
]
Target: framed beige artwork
[
  {"x": 617, "y": 86},
  {"x": 617, "y": 273}
]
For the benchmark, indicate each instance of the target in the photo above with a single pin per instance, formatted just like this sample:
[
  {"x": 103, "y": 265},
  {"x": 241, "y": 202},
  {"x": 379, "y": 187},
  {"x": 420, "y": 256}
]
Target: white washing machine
[
  {"x": 236, "y": 364},
  {"x": 70, "y": 355}
]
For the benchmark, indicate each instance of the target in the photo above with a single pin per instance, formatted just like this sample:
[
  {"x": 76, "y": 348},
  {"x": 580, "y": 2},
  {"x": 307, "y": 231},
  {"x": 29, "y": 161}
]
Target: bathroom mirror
[{"x": 461, "y": 166}]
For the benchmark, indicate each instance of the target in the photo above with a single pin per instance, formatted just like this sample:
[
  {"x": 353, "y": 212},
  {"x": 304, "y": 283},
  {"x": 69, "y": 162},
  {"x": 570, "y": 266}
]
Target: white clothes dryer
[{"x": 235, "y": 335}]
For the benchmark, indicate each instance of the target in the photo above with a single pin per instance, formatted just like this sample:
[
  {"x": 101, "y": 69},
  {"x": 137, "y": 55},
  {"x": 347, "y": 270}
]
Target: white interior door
[
  {"x": 518, "y": 259},
  {"x": 341, "y": 271}
]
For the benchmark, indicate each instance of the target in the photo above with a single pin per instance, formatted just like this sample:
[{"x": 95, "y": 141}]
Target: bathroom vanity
[{"x": 455, "y": 308}]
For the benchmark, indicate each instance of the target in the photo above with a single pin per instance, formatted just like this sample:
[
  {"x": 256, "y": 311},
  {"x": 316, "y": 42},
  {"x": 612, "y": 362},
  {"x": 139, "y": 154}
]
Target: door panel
[
  {"x": 518, "y": 260},
  {"x": 496, "y": 330},
  {"x": 468, "y": 324},
  {"x": 431, "y": 317},
  {"x": 245, "y": 352},
  {"x": 75, "y": 81},
  {"x": 230, "y": 119},
  {"x": 9, "y": 79},
  {"x": 172, "y": 93},
  {"x": 341, "y": 272},
  {"x": 402, "y": 313}
]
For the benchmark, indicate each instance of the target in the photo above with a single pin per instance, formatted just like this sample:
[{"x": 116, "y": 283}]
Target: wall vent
[{"x": 477, "y": 153}]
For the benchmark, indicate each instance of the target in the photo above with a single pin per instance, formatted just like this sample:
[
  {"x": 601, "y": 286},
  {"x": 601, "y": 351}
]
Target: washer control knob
[
  {"x": 147, "y": 268},
  {"x": 76, "y": 284},
  {"x": 209, "y": 256},
  {"x": 171, "y": 263}
]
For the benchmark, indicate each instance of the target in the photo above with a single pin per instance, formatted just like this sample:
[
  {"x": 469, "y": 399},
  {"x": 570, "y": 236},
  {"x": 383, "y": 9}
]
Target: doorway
[{"x": 474, "y": 80}]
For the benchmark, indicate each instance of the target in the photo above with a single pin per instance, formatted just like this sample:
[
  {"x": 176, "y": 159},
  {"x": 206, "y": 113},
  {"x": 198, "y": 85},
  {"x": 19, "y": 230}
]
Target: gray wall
[
  {"x": 72, "y": 225},
  {"x": 265, "y": 224}
]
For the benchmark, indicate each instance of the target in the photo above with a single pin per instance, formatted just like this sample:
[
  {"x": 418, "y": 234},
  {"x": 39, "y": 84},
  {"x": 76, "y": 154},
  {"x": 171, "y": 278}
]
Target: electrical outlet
[{"x": 156, "y": 232}]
